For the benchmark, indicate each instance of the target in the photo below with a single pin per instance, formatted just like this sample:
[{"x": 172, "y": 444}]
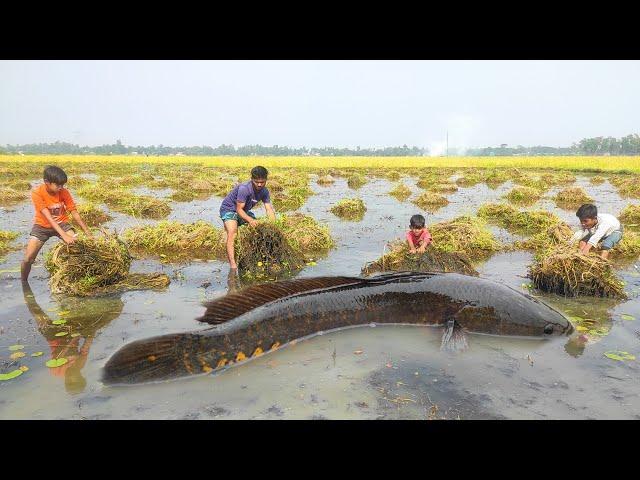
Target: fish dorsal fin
[{"x": 235, "y": 304}]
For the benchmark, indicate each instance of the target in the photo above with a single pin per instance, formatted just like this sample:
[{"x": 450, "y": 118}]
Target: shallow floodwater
[{"x": 381, "y": 372}]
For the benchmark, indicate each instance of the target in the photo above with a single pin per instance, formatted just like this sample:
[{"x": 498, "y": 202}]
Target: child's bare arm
[
  {"x": 242, "y": 214},
  {"x": 80, "y": 222},
  {"x": 64, "y": 235}
]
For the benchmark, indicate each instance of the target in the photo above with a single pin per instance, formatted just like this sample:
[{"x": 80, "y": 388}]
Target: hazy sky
[{"x": 318, "y": 103}]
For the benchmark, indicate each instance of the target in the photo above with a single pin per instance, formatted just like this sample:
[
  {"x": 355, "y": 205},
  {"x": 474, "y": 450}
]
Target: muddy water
[{"x": 381, "y": 372}]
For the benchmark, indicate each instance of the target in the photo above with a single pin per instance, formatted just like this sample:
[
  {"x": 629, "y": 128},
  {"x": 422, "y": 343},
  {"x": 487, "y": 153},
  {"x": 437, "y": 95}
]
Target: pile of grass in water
[
  {"x": 9, "y": 196},
  {"x": 430, "y": 201},
  {"x": 531, "y": 181},
  {"x": 522, "y": 195},
  {"x": 400, "y": 259},
  {"x": 6, "y": 237},
  {"x": 175, "y": 241},
  {"x": 96, "y": 266},
  {"x": 400, "y": 192},
  {"x": 559, "y": 178},
  {"x": 529, "y": 221},
  {"x": 443, "y": 187},
  {"x": 263, "y": 251},
  {"x": 356, "y": 181},
  {"x": 465, "y": 235},
  {"x": 495, "y": 178},
  {"x": 285, "y": 201},
  {"x": 349, "y": 208},
  {"x": 17, "y": 184},
  {"x": 567, "y": 272},
  {"x": 572, "y": 197},
  {"x": 630, "y": 216},
  {"x": 326, "y": 180},
  {"x": 305, "y": 234},
  {"x": 558, "y": 234},
  {"x": 93, "y": 215},
  {"x": 470, "y": 178},
  {"x": 597, "y": 180},
  {"x": 628, "y": 248},
  {"x": 140, "y": 206},
  {"x": 628, "y": 186}
]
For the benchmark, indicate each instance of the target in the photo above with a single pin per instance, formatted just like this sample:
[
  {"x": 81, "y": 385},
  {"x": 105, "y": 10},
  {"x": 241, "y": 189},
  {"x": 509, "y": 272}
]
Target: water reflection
[{"x": 84, "y": 318}]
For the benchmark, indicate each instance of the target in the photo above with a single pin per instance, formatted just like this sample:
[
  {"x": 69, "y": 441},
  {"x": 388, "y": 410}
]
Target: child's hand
[
  {"x": 253, "y": 223},
  {"x": 421, "y": 249},
  {"x": 412, "y": 250}
]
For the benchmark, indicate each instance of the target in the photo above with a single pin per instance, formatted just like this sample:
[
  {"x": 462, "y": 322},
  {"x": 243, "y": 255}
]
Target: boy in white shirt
[{"x": 595, "y": 228}]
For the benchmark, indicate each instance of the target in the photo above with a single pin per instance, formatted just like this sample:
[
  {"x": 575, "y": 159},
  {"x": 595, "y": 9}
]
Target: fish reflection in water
[{"x": 86, "y": 316}]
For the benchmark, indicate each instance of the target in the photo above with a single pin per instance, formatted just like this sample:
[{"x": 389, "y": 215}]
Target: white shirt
[{"x": 605, "y": 226}]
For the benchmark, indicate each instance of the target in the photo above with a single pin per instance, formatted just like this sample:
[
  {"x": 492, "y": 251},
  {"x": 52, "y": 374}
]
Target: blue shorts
[
  {"x": 234, "y": 216},
  {"x": 609, "y": 241}
]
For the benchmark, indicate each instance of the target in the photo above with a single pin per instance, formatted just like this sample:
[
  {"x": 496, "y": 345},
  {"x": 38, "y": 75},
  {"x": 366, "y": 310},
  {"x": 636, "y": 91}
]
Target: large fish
[{"x": 266, "y": 317}]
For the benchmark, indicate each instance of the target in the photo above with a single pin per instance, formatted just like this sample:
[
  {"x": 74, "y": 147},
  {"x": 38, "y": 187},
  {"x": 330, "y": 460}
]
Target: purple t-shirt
[{"x": 244, "y": 192}]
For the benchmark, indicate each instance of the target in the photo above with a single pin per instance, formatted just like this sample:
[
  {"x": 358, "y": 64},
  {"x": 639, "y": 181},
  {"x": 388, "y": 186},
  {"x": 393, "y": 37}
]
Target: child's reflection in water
[{"x": 86, "y": 316}]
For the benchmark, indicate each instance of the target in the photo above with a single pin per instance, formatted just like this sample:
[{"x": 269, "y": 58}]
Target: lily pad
[
  {"x": 17, "y": 355},
  {"x": 36, "y": 354},
  {"x": 619, "y": 355},
  {"x": 61, "y": 334},
  {"x": 59, "y": 322},
  {"x": 10, "y": 375},
  {"x": 13, "y": 348},
  {"x": 56, "y": 362},
  {"x": 626, "y": 316}
]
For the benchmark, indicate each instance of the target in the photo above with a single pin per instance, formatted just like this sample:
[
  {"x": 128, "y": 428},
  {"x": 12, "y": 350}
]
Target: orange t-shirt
[{"x": 59, "y": 205}]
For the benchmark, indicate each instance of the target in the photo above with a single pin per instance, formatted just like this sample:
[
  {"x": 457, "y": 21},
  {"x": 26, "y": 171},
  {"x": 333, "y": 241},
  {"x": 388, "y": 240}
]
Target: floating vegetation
[
  {"x": 326, "y": 180},
  {"x": 286, "y": 201},
  {"x": 392, "y": 175},
  {"x": 349, "y": 208},
  {"x": 511, "y": 218},
  {"x": 93, "y": 215},
  {"x": 597, "y": 180},
  {"x": 400, "y": 259},
  {"x": 263, "y": 252},
  {"x": 495, "y": 178},
  {"x": 305, "y": 234},
  {"x": 175, "y": 241},
  {"x": 572, "y": 197},
  {"x": 628, "y": 247},
  {"x": 17, "y": 184},
  {"x": 429, "y": 200},
  {"x": 558, "y": 234},
  {"x": 567, "y": 272},
  {"x": 628, "y": 186},
  {"x": 469, "y": 179},
  {"x": 400, "y": 192},
  {"x": 96, "y": 266},
  {"x": 523, "y": 195},
  {"x": 443, "y": 187},
  {"x": 6, "y": 238},
  {"x": 630, "y": 215},
  {"x": 9, "y": 196},
  {"x": 139, "y": 206},
  {"x": 561, "y": 178},
  {"x": 356, "y": 181},
  {"x": 465, "y": 235}
]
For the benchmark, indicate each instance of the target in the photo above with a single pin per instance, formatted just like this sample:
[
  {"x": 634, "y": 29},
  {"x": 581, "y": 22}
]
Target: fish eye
[{"x": 548, "y": 329}]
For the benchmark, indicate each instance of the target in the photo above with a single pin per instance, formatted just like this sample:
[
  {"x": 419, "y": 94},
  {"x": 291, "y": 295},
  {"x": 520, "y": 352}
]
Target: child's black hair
[
  {"x": 53, "y": 174},
  {"x": 587, "y": 211},
  {"x": 259, "y": 173},
  {"x": 417, "y": 221}
]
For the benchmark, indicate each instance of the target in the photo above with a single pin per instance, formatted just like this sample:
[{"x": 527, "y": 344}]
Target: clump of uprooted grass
[
  {"x": 565, "y": 271},
  {"x": 400, "y": 259},
  {"x": 465, "y": 235},
  {"x": 286, "y": 201},
  {"x": 326, "y": 180},
  {"x": 558, "y": 178},
  {"x": 630, "y": 215},
  {"x": 522, "y": 195},
  {"x": 470, "y": 178},
  {"x": 400, "y": 192},
  {"x": 264, "y": 251},
  {"x": 495, "y": 178},
  {"x": 430, "y": 201},
  {"x": 141, "y": 206},
  {"x": 175, "y": 241},
  {"x": 93, "y": 215},
  {"x": 96, "y": 266},
  {"x": 349, "y": 208},
  {"x": 512, "y": 219},
  {"x": 6, "y": 238},
  {"x": 9, "y": 196},
  {"x": 541, "y": 242},
  {"x": 532, "y": 181},
  {"x": 597, "y": 180},
  {"x": 356, "y": 181},
  {"x": 443, "y": 187},
  {"x": 628, "y": 248},
  {"x": 305, "y": 234},
  {"x": 572, "y": 197},
  {"x": 17, "y": 184}
]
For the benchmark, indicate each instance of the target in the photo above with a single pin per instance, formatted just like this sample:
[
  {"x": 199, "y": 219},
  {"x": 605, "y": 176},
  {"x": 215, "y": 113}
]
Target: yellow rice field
[{"x": 577, "y": 163}]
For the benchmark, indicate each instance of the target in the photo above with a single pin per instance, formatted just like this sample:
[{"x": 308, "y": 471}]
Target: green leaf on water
[
  {"x": 17, "y": 355},
  {"x": 13, "y": 348},
  {"x": 56, "y": 362},
  {"x": 59, "y": 322},
  {"x": 36, "y": 354},
  {"x": 626, "y": 316},
  {"x": 61, "y": 334},
  {"x": 66, "y": 312},
  {"x": 10, "y": 375},
  {"x": 74, "y": 335},
  {"x": 619, "y": 355}
]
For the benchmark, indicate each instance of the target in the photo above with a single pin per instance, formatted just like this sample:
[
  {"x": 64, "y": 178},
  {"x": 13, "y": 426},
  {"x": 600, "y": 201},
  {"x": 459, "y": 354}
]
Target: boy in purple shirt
[{"x": 236, "y": 207}]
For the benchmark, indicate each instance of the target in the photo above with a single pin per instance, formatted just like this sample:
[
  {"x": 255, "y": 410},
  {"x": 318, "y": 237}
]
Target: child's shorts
[
  {"x": 234, "y": 216},
  {"x": 610, "y": 240},
  {"x": 43, "y": 234}
]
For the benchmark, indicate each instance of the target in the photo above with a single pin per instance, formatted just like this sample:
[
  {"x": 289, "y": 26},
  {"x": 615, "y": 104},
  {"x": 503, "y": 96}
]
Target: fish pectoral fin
[{"x": 454, "y": 338}]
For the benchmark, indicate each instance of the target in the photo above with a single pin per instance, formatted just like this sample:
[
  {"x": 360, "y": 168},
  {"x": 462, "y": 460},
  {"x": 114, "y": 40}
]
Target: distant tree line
[
  {"x": 629, "y": 145},
  {"x": 63, "y": 148}
]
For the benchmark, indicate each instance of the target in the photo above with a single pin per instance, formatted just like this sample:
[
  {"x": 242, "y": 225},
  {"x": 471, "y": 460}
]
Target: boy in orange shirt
[{"x": 52, "y": 202}]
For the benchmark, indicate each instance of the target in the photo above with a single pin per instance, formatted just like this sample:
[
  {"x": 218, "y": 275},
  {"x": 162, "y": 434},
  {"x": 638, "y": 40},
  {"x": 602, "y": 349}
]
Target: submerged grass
[
  {"x": 355, "y": 181},
  {"x": 400, "y": 192},
  {"x": 522, "y": 195},
  {"x": 349, "y": 208},
  {"x": 430, "y": 201}
]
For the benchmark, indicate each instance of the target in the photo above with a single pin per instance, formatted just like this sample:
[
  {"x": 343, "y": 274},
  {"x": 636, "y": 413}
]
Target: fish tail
[
  {"x": 454, "y": 338},
  {"x": 160, "y": 358}
]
